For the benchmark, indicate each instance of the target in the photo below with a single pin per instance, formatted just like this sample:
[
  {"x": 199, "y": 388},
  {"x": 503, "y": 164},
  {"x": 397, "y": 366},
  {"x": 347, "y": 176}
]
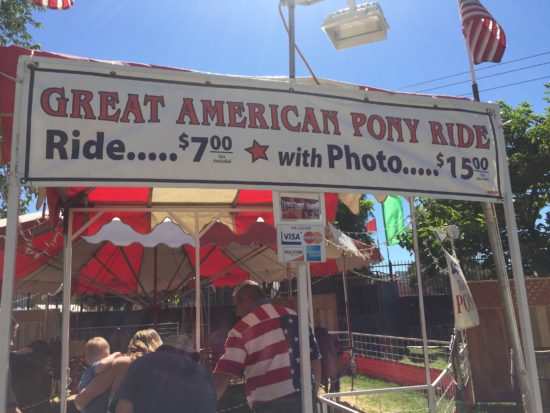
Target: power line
[
  {"x": 478, "y": 70},
  {"x": 510, "y": 84},
  {"x": 483, "y": 77}
]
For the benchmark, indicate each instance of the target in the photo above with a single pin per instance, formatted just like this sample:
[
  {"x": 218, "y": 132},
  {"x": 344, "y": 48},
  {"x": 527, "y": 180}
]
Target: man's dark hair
[{"x": 194, "y": 356}]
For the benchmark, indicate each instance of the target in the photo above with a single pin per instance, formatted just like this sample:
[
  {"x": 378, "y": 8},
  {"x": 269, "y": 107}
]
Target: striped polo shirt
[{"x": 264, "y": 347}]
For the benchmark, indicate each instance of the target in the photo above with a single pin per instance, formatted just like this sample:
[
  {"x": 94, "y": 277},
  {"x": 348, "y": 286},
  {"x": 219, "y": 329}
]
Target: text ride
[{"x": 86, "y": 128}]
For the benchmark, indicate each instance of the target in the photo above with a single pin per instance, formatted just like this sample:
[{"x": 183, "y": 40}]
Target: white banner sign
[
  {"x": 301, "y": 242},
  {"x": 465, "y": 309},
  {"x": 96, "y": 124}
]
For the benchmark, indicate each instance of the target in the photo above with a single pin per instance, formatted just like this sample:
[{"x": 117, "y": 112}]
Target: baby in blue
[{"x": 98, "y": 358}]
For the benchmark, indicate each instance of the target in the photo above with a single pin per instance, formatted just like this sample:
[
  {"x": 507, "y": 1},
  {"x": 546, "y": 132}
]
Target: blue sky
[{"x": 247, "y": 37}]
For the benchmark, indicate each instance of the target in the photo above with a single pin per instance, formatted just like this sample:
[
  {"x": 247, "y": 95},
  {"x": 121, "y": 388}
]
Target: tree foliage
[
  {"x": 352, "y": 224},
  {"x": 527, "y": 137},
  {"x": 15, "y": 18},
  {"x": 25, "y": 200},
  {"x": 528, "y": 147}
]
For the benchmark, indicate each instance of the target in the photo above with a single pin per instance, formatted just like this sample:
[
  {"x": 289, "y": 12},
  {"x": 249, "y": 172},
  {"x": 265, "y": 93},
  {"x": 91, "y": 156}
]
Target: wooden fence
[{"x": 490, "y": 350}]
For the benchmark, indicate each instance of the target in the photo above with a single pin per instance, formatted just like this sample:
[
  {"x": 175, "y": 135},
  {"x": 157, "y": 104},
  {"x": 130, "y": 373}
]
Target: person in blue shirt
[{"x": 98, "y": 357}]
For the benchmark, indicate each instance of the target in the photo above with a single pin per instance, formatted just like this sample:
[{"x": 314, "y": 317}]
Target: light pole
[
  {"x": 349, "y": 27},
  {"x": 345, "y": 28}
]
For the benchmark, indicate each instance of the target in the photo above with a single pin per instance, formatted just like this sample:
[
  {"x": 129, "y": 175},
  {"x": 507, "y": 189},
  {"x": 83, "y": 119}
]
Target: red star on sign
[{"x": 257, "y": 151}]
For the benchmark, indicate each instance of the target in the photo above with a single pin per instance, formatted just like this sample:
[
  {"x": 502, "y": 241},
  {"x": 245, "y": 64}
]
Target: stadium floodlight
[{"x": 356, "y": 25}]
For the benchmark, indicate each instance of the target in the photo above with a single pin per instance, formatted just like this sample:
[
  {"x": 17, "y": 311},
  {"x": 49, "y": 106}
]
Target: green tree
[
  {"x": 27, "y": 195},
  {"x": 15, "y": 19},
  {"x": 527, "y": 137},
  {"x": 352, "y": 224},
  {"x": 528, "y": 147}
]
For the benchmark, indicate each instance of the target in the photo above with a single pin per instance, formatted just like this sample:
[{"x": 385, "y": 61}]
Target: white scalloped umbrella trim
[{"x": 122, "y": 235}]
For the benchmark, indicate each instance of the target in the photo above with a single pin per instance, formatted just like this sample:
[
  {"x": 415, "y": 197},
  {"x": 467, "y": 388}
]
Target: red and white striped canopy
[{"x": 135, "y": 271}]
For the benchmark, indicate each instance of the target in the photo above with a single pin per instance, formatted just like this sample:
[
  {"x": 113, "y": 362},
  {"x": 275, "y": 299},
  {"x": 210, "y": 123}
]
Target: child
[{"x": 96, "y": 354}]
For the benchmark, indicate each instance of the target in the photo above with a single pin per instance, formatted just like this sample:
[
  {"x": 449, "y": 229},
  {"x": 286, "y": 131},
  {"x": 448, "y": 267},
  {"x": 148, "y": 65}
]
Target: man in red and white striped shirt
[{"x": 263, "y": 346}]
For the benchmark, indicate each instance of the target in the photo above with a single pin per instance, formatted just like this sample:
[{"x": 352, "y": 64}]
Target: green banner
[{"x": 392, "y": 209}]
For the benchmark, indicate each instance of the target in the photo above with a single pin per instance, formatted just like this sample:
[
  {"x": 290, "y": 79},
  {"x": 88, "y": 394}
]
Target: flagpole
[
  {"x": 387, "y": 246},
  {"x": 475, "y": 89},
  {"x": 504, "y": 283}
]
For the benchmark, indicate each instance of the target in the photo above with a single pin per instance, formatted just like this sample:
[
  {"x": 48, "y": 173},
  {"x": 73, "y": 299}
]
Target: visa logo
[{"x": 290, "y": 238}]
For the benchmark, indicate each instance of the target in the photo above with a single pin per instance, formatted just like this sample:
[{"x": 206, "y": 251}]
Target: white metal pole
[
  {"x": 198, "y": 306},
  {"x": 66, "y": 315},
  {"x": 348, "y": 318},
  {"x": 502, "y": 275},
  {"x": 291, "y": 42},
  {"x": 431, "y": 391},
  {"x": 303, "y": 325},
  {"x": 521, "y": 297},
  {"x": 507, "y": 303},
  {"x": 8, "y": 282}
]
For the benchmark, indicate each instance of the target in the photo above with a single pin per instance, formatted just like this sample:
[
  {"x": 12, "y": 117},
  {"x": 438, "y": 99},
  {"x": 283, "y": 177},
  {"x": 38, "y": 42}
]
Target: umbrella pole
[
  {"x": 66, "y": 312},
  {"x": 155, "y": 288},
  {"x": 198, "y": 309},
  {"x": 348, "y": 321},
  {"x": 46, "y": 335}
]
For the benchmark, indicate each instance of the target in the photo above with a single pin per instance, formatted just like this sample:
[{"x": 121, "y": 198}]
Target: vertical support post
[
  {"x": 348, "y": 318},
  {"x": 431, "y": 390},
  {"x": 198, "y": 306},
  {"x": 534, "y": 399},
  {"x": 507, "y": 302},
  {"x": 500, "y": 267},
  {"x": 66, "y": 314},
  {"x": 311, "y": 316},
  {"x": 8, "y": 280},
  {"x": 155, "y": 287},
  {"x": 303, "y": 328},
  {"x": 291, "y": 42},
  {"x": 46, "y": 315}
]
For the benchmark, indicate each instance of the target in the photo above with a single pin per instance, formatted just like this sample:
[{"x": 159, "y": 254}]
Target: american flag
[
  {"x": 289, "y": 325},
  {"x": 54, "y": 4},
  {"x": 485, "y": 38}
]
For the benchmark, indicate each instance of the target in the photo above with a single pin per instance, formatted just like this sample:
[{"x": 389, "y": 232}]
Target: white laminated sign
[
  {"x": 100, "y": 124},
  {"x": 465, "y": 309},
  {"x": 300, "y": 221}
]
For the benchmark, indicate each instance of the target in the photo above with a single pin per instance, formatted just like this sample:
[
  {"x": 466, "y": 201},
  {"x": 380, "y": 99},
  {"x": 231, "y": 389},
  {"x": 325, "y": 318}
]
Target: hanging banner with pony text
[
  {"x": 465, "y": 309},
  {"x": 99, "y": 124}
]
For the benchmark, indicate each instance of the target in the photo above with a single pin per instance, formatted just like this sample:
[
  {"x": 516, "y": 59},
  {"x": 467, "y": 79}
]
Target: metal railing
[
  {"x": 394, "y": 359},
  {"x": 127, "y": 331},
  {"x": 393, "y": 347}
]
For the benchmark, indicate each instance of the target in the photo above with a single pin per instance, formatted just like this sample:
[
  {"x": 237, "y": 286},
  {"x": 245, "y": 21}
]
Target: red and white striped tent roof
[{"x": 136, "y": 266}]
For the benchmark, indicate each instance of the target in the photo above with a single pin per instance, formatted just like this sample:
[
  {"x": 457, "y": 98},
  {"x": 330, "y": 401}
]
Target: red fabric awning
[{"x": 227, "y": 257}]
